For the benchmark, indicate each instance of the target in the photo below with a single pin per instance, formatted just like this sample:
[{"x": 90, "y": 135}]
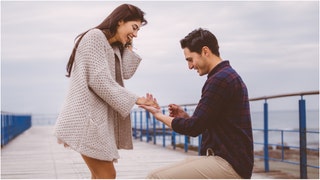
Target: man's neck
[{"x": 214, "y": 62}]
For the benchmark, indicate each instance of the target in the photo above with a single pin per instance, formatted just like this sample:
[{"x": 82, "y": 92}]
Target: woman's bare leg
[
  {"x": 100, "y": 169},
  {"x": 91, "y": 170}
]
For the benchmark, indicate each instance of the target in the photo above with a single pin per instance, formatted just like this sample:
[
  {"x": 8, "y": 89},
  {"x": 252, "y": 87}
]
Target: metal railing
[
  {"x": 12, "y": 125},
  {"x": 146, "y": 128},
  {"x": 302, "y": 131}
]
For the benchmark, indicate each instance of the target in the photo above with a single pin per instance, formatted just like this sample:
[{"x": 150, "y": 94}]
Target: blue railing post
[
  {"x": 163, "y": 135},
  {"x": 173, "y": 139},
  {"x": 303, "y": 138},
  {"x": 199, "y": 144},
  {"x": 282, "y": 146},
  {"x": 186, "y": 138},
  {"x": 135, "y": 125},
  {"x": 266, "y": 142},
  {"x": 154, "y": 131},
  {"x": 163, "y": 131},
  {"x": 141, "y": 125},
  {"x": 147, "y": 125}
]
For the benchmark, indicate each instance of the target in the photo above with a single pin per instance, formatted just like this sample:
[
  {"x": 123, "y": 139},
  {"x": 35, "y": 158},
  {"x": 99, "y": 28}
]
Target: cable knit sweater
[{"x": 95, "y": 117}]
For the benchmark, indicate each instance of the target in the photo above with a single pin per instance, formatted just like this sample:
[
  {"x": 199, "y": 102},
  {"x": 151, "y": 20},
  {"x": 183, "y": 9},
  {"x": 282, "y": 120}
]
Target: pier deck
[{"x": 36, "y": 155}]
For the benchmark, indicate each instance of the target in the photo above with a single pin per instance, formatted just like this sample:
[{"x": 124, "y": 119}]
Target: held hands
[
  {"x": 156, "y": 111},
  {"x": 151, "y": 104}
]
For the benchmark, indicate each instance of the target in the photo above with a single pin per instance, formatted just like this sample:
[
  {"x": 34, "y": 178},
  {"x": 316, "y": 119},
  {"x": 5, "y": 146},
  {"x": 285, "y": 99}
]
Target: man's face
[{"x": 196, "y": 61}]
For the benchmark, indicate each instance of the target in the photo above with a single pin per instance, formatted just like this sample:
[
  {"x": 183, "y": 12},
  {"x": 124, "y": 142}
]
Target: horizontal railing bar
[
  {"x": 280, "y": 160},
  {"x": 264, "y": 97},
  {"x": 193, "y": 104},
  {"x": 284, "y": 130},
  {"x": 284, "y": 95},
  {"x": 286, "y": 161}
]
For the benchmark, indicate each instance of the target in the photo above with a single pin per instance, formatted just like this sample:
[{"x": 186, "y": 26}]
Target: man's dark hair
[{"x": 198, "y": 38}]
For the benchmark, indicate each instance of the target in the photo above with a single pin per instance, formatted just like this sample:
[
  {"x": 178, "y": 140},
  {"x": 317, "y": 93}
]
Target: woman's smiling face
[{"x": 127, "y": 31}]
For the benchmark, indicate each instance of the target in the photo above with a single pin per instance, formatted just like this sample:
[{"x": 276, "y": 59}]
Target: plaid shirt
[{"x": 223, "y": 118}]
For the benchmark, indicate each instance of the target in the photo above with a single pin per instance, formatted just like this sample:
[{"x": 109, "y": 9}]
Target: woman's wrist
[{"x": 163, "y": 118}]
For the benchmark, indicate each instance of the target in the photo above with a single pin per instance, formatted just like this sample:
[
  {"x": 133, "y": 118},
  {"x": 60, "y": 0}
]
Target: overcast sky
[{"x": 273, "y": 45}]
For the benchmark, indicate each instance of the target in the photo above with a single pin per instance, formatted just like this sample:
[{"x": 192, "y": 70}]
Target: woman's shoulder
[
  {"x": 95, "y": 37},
  {"x": 94, "y": 33}
]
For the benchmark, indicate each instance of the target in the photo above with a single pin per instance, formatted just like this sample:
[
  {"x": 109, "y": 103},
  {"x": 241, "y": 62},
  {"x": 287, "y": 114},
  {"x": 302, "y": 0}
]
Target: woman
[{"x": 95, "y": 118}]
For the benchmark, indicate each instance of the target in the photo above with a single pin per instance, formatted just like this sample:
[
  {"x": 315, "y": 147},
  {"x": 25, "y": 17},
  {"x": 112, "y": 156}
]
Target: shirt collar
[{"x": 218, "y": 67}]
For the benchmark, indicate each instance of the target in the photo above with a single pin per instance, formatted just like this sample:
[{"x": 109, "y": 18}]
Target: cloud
[{"x": 274, "y": 45}]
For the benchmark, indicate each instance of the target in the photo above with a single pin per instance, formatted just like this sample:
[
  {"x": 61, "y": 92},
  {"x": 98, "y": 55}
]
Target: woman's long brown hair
[{"x": 125, "y": 12}]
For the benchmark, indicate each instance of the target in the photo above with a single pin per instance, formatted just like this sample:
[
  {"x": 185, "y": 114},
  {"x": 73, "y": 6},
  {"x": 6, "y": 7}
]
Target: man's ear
[{"x": 205, "y": 50}]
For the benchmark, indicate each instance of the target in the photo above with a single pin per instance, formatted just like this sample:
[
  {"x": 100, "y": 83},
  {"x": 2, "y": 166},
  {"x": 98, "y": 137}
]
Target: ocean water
[
  {"x": 289, "y": 122},
  {"x": 278, "y": 120},
  {"x": 284, "y": 125}
]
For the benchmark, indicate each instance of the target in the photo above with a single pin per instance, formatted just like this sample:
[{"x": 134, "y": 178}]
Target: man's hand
[{"x": 177, "y": 111}]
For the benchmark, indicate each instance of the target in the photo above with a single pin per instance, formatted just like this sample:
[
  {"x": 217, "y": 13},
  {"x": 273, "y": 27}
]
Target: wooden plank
[{"x": 36, "y": 155}]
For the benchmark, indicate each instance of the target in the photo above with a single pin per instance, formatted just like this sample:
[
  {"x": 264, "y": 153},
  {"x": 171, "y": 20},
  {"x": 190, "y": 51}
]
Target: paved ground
[{"x": 36, "y": 155}]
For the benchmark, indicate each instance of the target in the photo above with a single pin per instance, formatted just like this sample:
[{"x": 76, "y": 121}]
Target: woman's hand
[
  {"x": 148, "y": 101},
  {"x": 151, "y": 104},
  {"x": 128, "y": 45}
]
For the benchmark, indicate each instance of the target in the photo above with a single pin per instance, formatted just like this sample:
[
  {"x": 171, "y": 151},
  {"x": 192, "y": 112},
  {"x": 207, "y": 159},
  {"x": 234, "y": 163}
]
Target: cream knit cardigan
[{"x": 94, "y": 119}]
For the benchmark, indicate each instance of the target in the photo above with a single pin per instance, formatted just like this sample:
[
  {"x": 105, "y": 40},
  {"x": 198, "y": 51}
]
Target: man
[{"x": 222, "y": 116}]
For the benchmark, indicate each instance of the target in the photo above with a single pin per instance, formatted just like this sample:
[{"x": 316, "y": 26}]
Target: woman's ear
[{"x": 120, "y": 22}]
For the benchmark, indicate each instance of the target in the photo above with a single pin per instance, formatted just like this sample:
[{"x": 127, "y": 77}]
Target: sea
[{"x": 283, "y": 126}]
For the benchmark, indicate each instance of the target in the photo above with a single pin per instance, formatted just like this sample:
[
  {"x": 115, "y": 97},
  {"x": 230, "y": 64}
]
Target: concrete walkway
[{"x": 36, "y": 155}]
